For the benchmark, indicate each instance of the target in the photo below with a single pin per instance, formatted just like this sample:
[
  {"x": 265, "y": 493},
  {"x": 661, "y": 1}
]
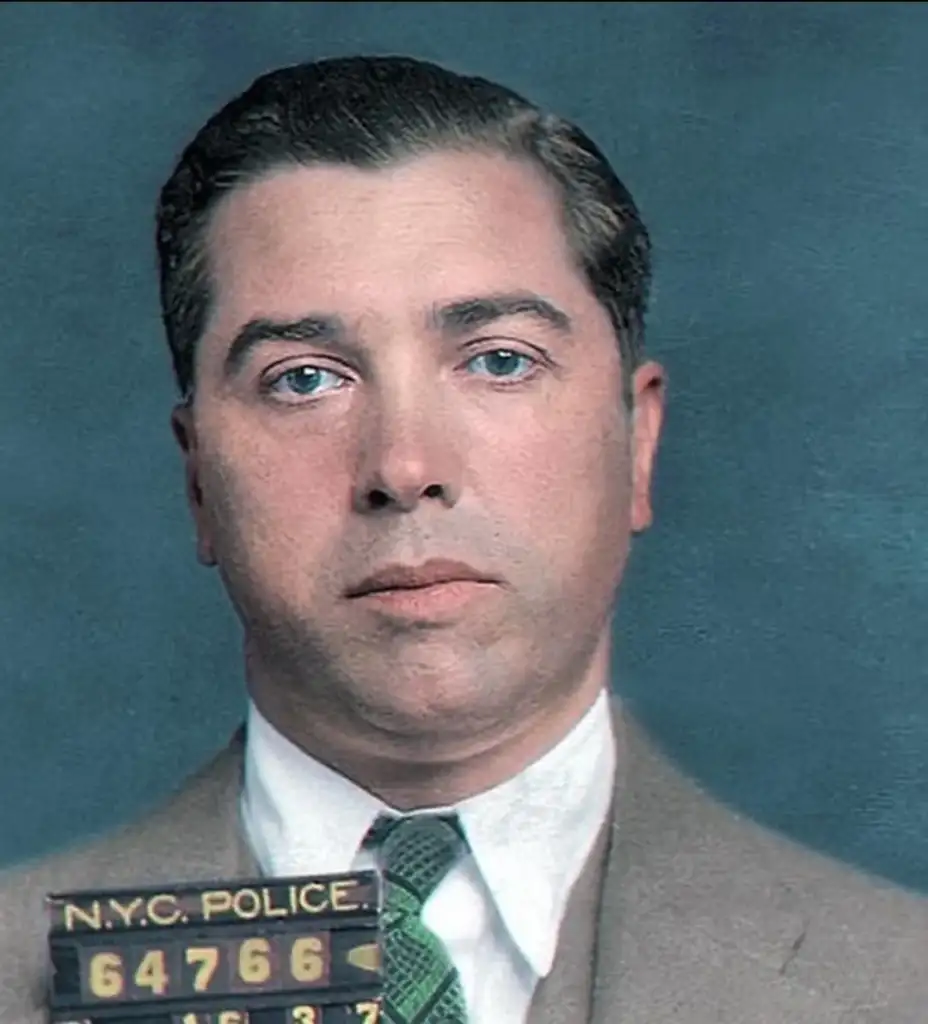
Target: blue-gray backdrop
[{"x": 772, "y": 627}]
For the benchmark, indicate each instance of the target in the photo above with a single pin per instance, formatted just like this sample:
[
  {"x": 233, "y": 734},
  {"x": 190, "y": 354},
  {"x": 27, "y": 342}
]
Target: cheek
[
  {"x": 566, "y": 488},
  {"x": 273, "y": 501}
]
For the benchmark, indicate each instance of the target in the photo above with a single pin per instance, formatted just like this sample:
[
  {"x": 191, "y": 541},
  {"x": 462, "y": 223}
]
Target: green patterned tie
[{"x": 421, "y": 985}]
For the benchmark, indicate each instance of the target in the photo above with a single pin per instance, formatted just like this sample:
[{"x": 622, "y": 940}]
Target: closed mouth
[{"x": 430, "y": 574}]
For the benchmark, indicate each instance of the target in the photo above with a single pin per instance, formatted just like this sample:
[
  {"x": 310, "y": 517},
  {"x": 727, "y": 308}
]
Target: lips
[{"x": 406, "y": 577}]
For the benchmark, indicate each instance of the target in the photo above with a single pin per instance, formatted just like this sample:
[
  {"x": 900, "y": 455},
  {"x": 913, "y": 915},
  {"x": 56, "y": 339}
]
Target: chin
[{"x": 419, "y": 705}]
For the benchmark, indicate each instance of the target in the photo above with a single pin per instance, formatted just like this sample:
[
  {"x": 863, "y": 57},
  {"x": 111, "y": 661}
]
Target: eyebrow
[
  {"x": 454, "y": 318},
  {"x": 472, "y": 314}
]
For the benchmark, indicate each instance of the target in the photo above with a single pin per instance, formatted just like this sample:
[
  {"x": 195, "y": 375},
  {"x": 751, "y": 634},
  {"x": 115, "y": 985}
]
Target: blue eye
[
  {"x": 504, "y": 363},
  {"x": 306, "y": 381}
]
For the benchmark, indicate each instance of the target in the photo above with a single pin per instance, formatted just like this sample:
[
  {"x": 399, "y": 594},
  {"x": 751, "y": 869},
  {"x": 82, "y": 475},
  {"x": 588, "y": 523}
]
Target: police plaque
[{"x": 269, "y": 951}]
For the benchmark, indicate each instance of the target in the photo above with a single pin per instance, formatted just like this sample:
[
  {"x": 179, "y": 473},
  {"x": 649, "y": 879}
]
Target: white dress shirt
[{"x": 498, "y": 910}]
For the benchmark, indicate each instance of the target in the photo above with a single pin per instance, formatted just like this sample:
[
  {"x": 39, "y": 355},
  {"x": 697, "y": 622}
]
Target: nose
[{"x": 407, "y": 458}]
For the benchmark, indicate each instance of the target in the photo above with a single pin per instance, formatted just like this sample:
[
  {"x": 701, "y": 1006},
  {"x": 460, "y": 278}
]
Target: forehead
[{"x": 378, "y": 242}]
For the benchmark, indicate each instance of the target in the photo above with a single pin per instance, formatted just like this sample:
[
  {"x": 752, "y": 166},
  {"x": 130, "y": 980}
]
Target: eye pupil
[
  {"x": 303, "y": 379},
  {"x": 503, "y": 364},
  {"x": 502, "y": 361}
]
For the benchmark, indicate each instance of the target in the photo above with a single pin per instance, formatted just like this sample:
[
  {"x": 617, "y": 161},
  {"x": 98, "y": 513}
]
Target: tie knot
[{"x": 417, "y": 851}]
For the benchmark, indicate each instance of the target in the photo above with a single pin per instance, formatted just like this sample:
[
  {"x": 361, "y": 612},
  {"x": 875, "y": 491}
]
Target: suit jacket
[{"x": 686, "y": 913}]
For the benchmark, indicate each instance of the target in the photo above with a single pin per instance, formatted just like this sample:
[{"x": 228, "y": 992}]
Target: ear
[
  {"x": 183, "y": 427},
  {"x": 649, "y": 391}
]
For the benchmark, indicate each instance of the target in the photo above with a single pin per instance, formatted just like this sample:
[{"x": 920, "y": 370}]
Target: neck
[{"x": 412, "y": 772}]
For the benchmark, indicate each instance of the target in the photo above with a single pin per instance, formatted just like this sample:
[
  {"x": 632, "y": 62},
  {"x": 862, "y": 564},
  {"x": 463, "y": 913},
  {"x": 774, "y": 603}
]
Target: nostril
[
  {"x": 433, "y": 491},
  {"x": 378, "y": 499}
]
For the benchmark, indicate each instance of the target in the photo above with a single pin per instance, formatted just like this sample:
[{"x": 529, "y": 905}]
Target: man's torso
[{"x": 686, "y": 913}]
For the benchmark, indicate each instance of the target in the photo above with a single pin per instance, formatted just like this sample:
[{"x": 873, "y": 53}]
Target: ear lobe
[
  {"x": 182, "y": 427},
  {"x": 184, "y": 431},
  {"x": 205, "y": 555}
]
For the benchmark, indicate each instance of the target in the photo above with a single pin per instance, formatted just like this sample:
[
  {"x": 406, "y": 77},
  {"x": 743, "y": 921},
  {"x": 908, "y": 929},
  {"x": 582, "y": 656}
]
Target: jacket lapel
[
  {"x": 564, "y": 995},
  {"x": 688, "y": 928},
  {"x": 242, "y": 863},
  {"x": 198, "y": 835}
]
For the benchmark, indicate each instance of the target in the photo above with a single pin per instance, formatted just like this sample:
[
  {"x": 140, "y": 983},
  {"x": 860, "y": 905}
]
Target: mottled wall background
[{"x": 772, "y": 628}]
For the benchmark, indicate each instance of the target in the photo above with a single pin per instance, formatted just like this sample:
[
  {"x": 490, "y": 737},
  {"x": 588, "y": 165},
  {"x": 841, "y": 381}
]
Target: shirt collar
[
  {"x": 302, "y": 817},
  {"x": 530, "y": 836}
]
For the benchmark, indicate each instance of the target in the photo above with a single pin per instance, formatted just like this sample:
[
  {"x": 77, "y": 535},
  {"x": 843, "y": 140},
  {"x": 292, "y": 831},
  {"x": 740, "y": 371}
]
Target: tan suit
[{"x": 686, "y": 913}]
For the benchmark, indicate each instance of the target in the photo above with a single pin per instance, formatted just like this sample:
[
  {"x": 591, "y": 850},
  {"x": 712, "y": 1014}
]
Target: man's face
[{"x": 451, "y": 390}]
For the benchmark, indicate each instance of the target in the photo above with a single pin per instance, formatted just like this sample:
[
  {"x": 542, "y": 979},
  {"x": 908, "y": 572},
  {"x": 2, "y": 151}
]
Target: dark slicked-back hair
[{"x": 369, "y": 112}]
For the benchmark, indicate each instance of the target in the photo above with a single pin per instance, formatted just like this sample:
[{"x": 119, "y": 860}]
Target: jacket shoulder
[
  {"x": 811, "y": 922},
  {"x": 861, "y": 939},
  {"x": 191, "y": 836}
]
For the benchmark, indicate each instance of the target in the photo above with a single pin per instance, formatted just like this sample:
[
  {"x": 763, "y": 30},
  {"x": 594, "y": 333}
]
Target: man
[{"x": 406, "y": 312}]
